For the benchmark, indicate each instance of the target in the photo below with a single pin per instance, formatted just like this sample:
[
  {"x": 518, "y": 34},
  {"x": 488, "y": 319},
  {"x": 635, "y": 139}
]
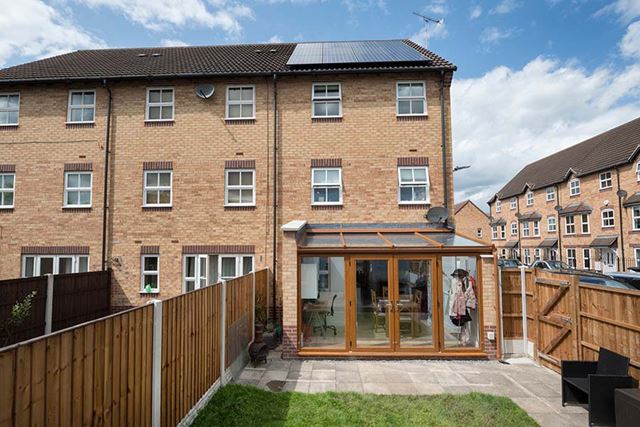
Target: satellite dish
[
  {"x": 205, "y": 91},
  {"x": 438, "y": 215}
]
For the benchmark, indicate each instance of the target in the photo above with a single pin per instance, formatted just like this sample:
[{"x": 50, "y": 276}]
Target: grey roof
[
  {"x": 511, "y": 244},
  {"x": 604, "y": 241},
  {"x": 548, "y": 243},
  {"x": 615, "y": 147},
  {"x": 632, "y": 200},
  {"x": 575, "y": 208},
  {"x": 497, "y": 221},
  {"x": 529, "y": 216},
  {"x": 194, "y": 61},
  {"x": 366, "y": 51}
]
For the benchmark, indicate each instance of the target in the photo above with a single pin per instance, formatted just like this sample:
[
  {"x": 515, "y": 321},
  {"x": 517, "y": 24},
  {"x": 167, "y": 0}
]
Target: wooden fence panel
[
  {"x": 190, "y": 350},
  {"x": 14, "y": 290},
  {"x": 67, "y": 378},
  {"x": 239, "y": 316},
  {"x": 80, "y": 297}
]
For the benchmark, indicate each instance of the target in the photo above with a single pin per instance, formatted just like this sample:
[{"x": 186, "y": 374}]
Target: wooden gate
[{"x": 555, "y": 320}]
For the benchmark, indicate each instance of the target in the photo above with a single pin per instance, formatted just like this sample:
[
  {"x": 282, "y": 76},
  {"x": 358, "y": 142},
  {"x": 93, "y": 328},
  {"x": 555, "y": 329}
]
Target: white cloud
[
  {"x": 33, "y": 29},
  {"x": 508, "y": 118},
  {"x": 475, "y": 12},
  {"x": 630, "y": 44},
  {"x": 160, "y": 14},
  {"x": 275, "y": 39},
  {"x": 434, "y": 31},
  {"x": 173, "y": 43},
  {"x": 626, "y": 9},
  {"x": 437, "y": 7},
  {"x": 504, "y": 7},
  {"x": 493, "y": 35}
]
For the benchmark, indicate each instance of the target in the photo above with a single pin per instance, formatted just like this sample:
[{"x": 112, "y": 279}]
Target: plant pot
[{"x": 258, "y": 333}]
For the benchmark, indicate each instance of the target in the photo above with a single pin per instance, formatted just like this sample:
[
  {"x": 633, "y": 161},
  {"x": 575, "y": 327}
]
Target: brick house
[
  {"x": 580, "y": 205},
  {"x": 317, "y": 160},
  {"x": 472, "y": 221}
]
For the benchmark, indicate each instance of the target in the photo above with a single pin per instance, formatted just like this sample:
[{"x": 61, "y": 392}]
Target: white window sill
[
  {"x": 152, "y": 292},
  {"x": 327, "y": 204},
  {"x": 158, "y": 206},
  {"x": 240, "y": 118},
  {"x": 327, "y": 117},
  {"x": 422, "y": 202},
  {"x": 9, "y": 125},
  {"x": 412, "y": 115},
  {"x": 159, "y": 121},
  {"x": 233, "y": 205},
  {"x": 77, "y": 206},
  {"x": 6, "y": 207},
  {"x": 81, "y": 123},
  {"x": 609, "y": 226}
]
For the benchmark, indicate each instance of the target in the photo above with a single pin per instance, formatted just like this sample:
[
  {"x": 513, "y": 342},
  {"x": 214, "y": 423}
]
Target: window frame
[
  {"x": 513, "y": 203},
  {"x": 7, "y": 190},
  {"x": 494, "y": 232},
  {"x": 550, "y": 191},
  {"x": 526, "y": 232},
  {"x": 158, "y": 187},
  {"x": 498, "y": 206},
  {"x": 75, "y": 263},
  {"x": 604, "y": 181},
  {"x": 584, "y": 220},
  {"x": 529, "y": 198},
  {"x": 414, "y": 183},
  {"x": 144, "y": 273},
  {"x": 239, "y": 263},
  {"x": 586, "y": 251},
  {"x": 573, "y": 193},
  {"x": 549, "y": 225},
  {"x": 160, "y": 104},
  {"x": 634, "y": 209},
  {"x": 240, "y": 187},
  {"x": 573, "y": 264},
  {"x": 411, "y": 98},
  {"x": 325, "y": 185},
  {"x": 8, "y": 110},
  {"x": 503, "y": 232},
  {"x": 325, "y": 99},
  {"x": 527, "y": 256},
  {"x": 82, "y": 106},
  {"x": 636, "y": 252},
  {"x": 567, "y": 224},
  {"x": 612, "y": 218},
  {"x": 229, "y": 102},
  {"x": 638, "y": 171},
  {"x": 78, "y": 189},
  {"x": 536, "y": 228},
  {"x": 514, "y": 228}
]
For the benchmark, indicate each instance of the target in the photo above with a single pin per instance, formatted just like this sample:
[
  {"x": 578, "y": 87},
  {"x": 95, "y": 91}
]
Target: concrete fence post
[
  {"x": 156, "y": 378},
  {"x": 223, "y": 330},
  {"x": 48, "y": 308},
  {"x": 523, "y": 295},
  {"x": 500, "y": 312},
  {"x": 253, "y": 306}
]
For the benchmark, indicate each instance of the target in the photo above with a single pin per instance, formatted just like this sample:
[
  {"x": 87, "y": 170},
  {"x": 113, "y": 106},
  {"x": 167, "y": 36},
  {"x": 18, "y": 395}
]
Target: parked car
[
  {"x": 631, "y": 278},
  {"x": 509, "y": 263},
  {"x": 549, "y": 264},
  {"x": 592, "y": 278}
]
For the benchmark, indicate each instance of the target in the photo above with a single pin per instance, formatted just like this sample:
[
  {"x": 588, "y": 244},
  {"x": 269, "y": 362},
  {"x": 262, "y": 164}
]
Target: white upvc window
[
  {"x": 574, "y": 187},
  {"x": 503, "y": 232},
  {"x": 605, "y": 180},
  {"x": 635, "y": 214},
  {"x": 326, "y": 100},
  {"x": 160, "y": 104},
  {"x": 570, "y": 225},
  {"x": 7, "y": 190},
  {"x": 240, "y": 187},
  {"x": 536, "y": 228},
  {"x": 638, "y": 171},
  {"x": 514, "y": 228},
  {"x": 158, "y": 188},
  {"x": 586, "y": 258},
  {"x": 150, "y": 273},
  {"x": 584, "y": 224},
  {"x": 232, "y": 266},
  {"x": 525, "y": 229},
  {"x": 39, "y": 265},
  {"x": 411, "y": 99},
  {"x": 530, "y": 198},
  {"x": 82, "y": 106},
  {"x": 195, "y": 274},
  {"x": 527, "y": 256},
  {"x": 608, "y": 219},
  {"x": 413, "y": 185},
  {"x": 513, "y": 203},
  {"x": 498, "y": 206},
  {"x": 9, "y": 109},
  {"x": 494, "y": 232},
  {"x": 571, "y": 257},
  {"x": 636, "y": 252},
  {"x": 537, "y": 254},
  {"x": 77, "y": 189},
  {"x": 326, "y": 186},
  {"x": 551, "y": 194},
  {"x": 241, "y": 102},
  {"x": 551, "y": 224}
]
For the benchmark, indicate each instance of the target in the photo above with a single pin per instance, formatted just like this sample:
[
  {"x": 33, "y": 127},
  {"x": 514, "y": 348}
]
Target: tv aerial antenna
[{"x": 428, "y": 21}]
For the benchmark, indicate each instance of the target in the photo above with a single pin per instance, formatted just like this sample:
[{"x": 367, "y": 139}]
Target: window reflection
[{"x": 460, "y": 301}]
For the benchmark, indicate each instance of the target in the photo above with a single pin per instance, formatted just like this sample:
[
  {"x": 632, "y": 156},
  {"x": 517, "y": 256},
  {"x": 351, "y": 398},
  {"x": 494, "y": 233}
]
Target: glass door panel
[
  {"x": 414, "y": 307},
  {"x": 46, "y": 265},
  {"x": 202, "y": 271},
  {"x": 372, "y": 303},
  {"x": 461, "y": 328},
  {"x": 65, "y": 265}
]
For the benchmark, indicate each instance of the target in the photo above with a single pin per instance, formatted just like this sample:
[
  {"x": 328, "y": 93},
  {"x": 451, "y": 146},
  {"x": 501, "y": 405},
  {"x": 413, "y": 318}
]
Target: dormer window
[
  {"x": 530, "y": 198},
  {"x": 574, "y": 187},
  {"x": 498, "y": 206},
  {"x": 513, "y": 203}
]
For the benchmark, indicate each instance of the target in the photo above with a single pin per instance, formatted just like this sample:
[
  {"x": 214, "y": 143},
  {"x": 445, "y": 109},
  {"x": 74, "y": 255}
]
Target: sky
[{"x": 533, "y": 76}]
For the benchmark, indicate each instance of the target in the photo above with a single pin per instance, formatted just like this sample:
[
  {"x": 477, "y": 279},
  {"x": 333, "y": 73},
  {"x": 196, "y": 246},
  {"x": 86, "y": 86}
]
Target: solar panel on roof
[{"x": 354, "y": 52}]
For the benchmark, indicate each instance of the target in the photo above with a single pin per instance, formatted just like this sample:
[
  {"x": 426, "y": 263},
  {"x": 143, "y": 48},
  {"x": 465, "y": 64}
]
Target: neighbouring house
[
  {"x": 178, "y": 167},
  {"x": 471, "y": 221},
  {"x": 580, "y": 205}
]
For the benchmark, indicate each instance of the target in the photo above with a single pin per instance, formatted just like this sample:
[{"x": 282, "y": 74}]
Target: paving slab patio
[{"x": 535, "y": 389}]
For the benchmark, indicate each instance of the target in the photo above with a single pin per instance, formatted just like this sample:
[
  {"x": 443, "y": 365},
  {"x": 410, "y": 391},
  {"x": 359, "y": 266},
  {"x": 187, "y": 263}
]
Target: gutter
[
  {"x": 106, "y": 178},
  {"x": 444, "y": 143},
  {"x": 275, "y": 192},
  {"x": 620, "y": 193}
]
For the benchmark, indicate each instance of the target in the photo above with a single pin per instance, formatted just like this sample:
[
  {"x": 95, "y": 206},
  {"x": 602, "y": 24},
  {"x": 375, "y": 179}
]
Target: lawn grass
[{"x": 240, "y": 405}]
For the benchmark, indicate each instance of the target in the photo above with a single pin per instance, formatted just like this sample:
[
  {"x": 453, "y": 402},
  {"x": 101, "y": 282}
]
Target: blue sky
[{"x": 534, "y": 76}]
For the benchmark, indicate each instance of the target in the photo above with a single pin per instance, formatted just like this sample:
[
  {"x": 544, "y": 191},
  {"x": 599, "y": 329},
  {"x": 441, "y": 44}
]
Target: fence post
[
  {"x": 500, "y": 313},
  {"x": 223, "y": 331},
  {"x": 156, "y": 377},
  {"x": 253, "y": 305},
  {"x": 576, "y": 325},
  {"x": 523, "y": 295},
  {"x": 48, "y": 308}
]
